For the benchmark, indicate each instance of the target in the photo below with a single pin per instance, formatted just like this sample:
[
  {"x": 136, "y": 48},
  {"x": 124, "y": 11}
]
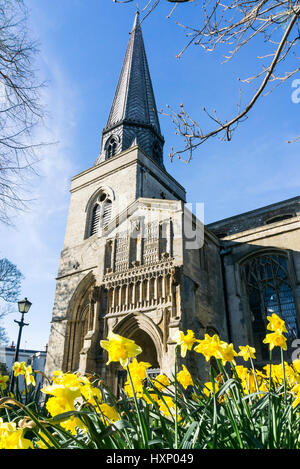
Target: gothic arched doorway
[
  {"x": 149, "y": 353},
  {"x": 81, "y": 321},
  {"x": 145, "y": 334}
]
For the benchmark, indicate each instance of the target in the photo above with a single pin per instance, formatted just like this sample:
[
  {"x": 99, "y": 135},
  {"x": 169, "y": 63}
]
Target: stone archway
[
  {"x": 147, "y": 335},
  {"x": 149, "y": 353},
  {"x": 81, "y": 321},
  {"x": 137, "y": 326}
]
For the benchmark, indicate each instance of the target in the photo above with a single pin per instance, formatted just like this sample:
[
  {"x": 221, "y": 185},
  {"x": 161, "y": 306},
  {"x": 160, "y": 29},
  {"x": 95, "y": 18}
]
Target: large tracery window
[
  {"x": 269, "y": 291},
  {"x": 101, "y": 214}
]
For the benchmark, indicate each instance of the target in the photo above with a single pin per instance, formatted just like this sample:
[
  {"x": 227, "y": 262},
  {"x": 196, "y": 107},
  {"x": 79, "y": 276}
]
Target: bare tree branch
[
  {"x": 234, "y": 25},
  {"x": 20, "y": 107}
]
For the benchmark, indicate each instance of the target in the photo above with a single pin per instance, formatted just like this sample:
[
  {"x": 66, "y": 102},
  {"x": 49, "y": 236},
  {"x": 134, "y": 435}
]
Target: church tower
[{"x": 125, "y": 266}]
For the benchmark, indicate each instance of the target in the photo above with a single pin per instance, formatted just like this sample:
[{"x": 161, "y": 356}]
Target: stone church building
[{"x": 137, "y": 262}]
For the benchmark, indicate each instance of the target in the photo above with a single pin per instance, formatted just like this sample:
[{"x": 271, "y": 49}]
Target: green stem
[
  {"x": 144, "y": 437},
  {"x": 283, "y": 375},
  {"x": 254, "y": 372},
  {"x": 215, "y": 418},
  {"x": 176, "y": 409},
  {"x": 270, "y": 377},
  {"x": 269, "y": 399}
]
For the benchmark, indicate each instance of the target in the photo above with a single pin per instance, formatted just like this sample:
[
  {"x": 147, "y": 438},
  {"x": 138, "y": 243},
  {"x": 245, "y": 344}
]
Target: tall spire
[{"x": 133, "y": 115}]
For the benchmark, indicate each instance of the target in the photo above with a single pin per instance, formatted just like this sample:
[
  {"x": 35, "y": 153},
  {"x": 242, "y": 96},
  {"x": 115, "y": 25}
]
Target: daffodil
[
  {"x": 296, "y": 365},
  {"x": 275, "y": 339},
  {"x": 246, "y": 352},
  {"x": 167, "y": 407},
  {"x": 296, "y": 391},
  {"x": 91, "y": 394},
  {"x": 276, "y": 373},
  {"x": 12, "y": 437},
  {"x": 209, "y": 388},
  {"x": 241, "y": 371},
  {"x": 214, "y": 347},
  {"x": 186, "y": 341},
  {"x": 3, "y": 382},
  {"x": 209, "y": 346},
  {"x": 109, "y": 413},
  {"x": 184, "y": 377},
  {"x": 276, "y": 324},
  {"x": 29, "y": 378},
  {"x": 226, "y": 353},
  {"x": 161, "y": 381},
  {"x": 19, "y": 368},
  {"x": 153, "y": 396},
  {"x": 138, "y": 370},
  {"x": 137, "y": 387},
  {"x": 64, "y": 398},
  {"x": 120, "y": 349}
]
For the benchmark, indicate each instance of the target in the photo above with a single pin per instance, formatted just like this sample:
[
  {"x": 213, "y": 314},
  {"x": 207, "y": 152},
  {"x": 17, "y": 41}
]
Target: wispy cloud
[{"x": 36, "y": 241}]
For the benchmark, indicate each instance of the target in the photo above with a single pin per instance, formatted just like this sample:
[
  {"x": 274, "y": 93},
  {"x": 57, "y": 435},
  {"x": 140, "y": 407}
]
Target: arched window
[
  {"x": 269, "y": 291},
  {"x": 111, "y": 148},
  {"x": 101, "y": 213}
]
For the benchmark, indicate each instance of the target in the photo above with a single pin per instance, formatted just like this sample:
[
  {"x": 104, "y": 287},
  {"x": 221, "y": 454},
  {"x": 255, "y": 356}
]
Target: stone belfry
[{"x": 125, "y": 266}]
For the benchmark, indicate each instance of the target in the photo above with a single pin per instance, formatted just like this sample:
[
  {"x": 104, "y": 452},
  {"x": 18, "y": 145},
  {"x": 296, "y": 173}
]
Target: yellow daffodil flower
[
  {"x": 276, "y": 324},
  {"x": 226, "y": 353},
  {"x": 275, "y": 339},
  {"x": 19, "y": 368},
  {"x": 296, "y": 365},
  {"x": 3, "y": 382},
  {"x": 167, "y": 407},
  {"x": 153, "y": 395},
  {"x": 247, "y": 352},
  {"x": 184, "y": 377},
  {"x": 91, "y": 394},
  {"x": 110, "y": 413},
  {"x": 161, "y": 381},
  {"x": 186, "y": 342},
  {"x": 296, "y": 390},
  {"x": 29, "y": 378},
  {"x": 64, "y": 398},
  {"x": 209, "y": 346},
  {"x": 12, "y": 437},
  {"x": 120, "y": 349},
  {"x": 208, "y": 388},
  {"x": 214, "y": 347},
  {"x": 241, "y": 371},
  {"x": 137, "y": 387},
  {"x": 138, "y": 370}
]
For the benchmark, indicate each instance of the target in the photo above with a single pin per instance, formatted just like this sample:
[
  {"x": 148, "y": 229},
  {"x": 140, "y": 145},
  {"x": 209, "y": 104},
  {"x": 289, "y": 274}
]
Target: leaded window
[{"x": 270, "y": 291}]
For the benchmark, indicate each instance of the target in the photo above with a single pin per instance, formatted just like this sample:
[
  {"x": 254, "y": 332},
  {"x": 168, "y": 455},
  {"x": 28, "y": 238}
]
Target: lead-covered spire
[{"x": 133, "y": 116}]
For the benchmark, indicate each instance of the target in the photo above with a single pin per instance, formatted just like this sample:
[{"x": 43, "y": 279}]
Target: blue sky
[{"x": 82, "y": 46}]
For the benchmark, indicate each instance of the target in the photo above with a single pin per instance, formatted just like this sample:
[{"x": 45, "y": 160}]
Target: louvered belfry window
[
  {"x": 106, "y": 216},
  {"x": 101, "y": 213},
  {"x": 111, "y": 148}
]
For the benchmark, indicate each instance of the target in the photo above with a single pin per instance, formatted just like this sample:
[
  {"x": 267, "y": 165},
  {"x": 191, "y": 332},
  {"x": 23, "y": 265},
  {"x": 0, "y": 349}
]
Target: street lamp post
[{"x": 24, "y": 307}]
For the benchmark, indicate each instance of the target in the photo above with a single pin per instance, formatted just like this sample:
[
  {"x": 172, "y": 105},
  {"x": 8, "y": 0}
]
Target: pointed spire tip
[{"x": 136, "y": 20}]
